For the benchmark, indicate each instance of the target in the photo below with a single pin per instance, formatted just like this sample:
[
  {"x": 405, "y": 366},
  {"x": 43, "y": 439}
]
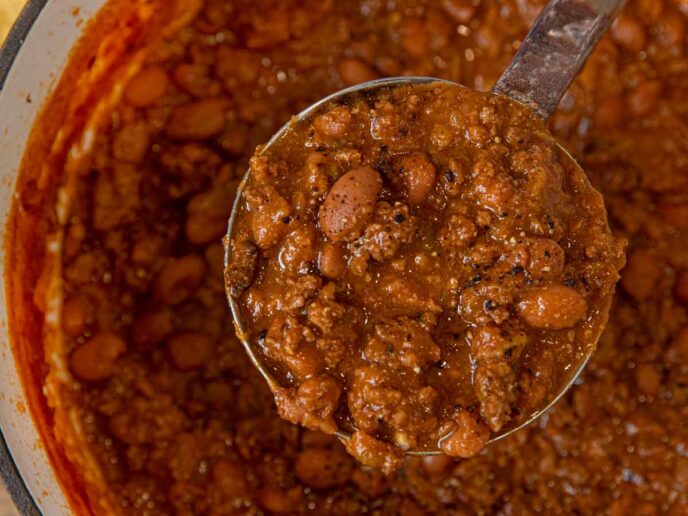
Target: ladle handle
[{"x": 554, "y": 51}]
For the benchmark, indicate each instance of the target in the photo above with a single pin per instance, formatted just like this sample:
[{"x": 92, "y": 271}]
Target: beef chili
[
  {"x": 422, "y": 265},
  {"x": 168, "y": 414}
]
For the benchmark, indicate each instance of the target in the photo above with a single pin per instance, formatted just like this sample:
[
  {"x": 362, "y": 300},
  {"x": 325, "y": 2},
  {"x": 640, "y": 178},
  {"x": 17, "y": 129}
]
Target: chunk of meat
[
  {"x": 391, "y": 227},
  {"x": 375, "y": 453},
  {"x": 457, "y": 233},
  {"x": 378, "y": 405},
  {"x": 312, "y": 404},
  {"x": 495, "y": 389},
  {"x": 402, "y": 343},
  {"x": 333, "y": 124},
  {"x": 465, "y": 436},
  {"x": 243, "y": 258},
  {"x": 270, "y": 217}
]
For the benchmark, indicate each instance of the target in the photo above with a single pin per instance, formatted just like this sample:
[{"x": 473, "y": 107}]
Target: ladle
[{"x": 547, "y": 61}]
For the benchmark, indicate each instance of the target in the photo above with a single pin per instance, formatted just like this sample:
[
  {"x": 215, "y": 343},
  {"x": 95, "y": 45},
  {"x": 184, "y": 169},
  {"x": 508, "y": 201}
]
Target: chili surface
[
  {"x": 174, "y": 413},
  {"x": 421, "y": 265}
]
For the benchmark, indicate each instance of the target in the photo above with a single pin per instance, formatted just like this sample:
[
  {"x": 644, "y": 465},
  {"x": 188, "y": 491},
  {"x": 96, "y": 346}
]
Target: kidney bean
[
  {"x": 349, "y": 204},
  {"x": 198, "y": 120},
  {"x": 190, "y": 350},
  {"x": 552, "y": 307},
  {"x": 179, "y": 279},
  {"x": 418, "y": 175},
  {"x": 96, "y": 359},
  {"x": 147, "y": 86}
]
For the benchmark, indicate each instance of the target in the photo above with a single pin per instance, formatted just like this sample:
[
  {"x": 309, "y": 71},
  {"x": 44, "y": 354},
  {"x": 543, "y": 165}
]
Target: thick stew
[
  {"x": 168, "y": 415},
  {"x": 421, "y": 264}
]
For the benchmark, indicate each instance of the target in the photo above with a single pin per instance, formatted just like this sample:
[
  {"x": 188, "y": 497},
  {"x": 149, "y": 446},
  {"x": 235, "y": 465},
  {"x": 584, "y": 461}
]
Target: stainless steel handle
[{"x": 554, "y": 51}]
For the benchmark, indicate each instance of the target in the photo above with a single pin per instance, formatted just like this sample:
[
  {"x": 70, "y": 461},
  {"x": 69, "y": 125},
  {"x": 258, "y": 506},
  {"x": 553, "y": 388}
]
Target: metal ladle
[{"x": 548, "y": 59}]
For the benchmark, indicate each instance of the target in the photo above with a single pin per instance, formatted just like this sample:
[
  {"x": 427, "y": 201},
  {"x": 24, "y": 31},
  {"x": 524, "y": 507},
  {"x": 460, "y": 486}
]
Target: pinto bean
[
  {"x": 629, "y": 33},
  {"x": 641, "y": 275},
  {"x": 74, "y": 316},
  {"x": 230, "y": 478},
  {"x": 437, "y": 464},
  {"x": 419, "y": 176},
  {"x": 331, "y": 261},
  {"x": 277, "y": 500},
  {"x": 349, "y": 204},
  {"x": 323, "y": 468},
  {"x": 648, "y": 378},
  {"x": 179, "y": 279},
  {"x": 197, "y": 120},
  {"x": 552, "y": 307},
  {"x": 414, "y": 37},
  {"x": 355, "y": 71},
  {"x": 644, "y": 97},
  {"x": 151, "y": 328},
  {"x": 147, "y": 87},
  {"x": 131, "y": 142},
  {"x": 95, "y": 359},
  {"x": 462, "y": 11},
  {"x": 190, "y": 350}
]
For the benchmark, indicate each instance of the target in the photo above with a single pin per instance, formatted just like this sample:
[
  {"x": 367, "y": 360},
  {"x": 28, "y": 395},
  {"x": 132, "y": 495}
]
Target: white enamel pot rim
[{"x": 31, "y": 61}]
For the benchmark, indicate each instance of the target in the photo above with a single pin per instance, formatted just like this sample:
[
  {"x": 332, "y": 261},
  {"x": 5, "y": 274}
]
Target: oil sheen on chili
[{"x": 422, "y": 266}]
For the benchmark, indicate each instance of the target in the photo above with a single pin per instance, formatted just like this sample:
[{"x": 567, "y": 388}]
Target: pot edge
[{"x": 8, "y": 52}]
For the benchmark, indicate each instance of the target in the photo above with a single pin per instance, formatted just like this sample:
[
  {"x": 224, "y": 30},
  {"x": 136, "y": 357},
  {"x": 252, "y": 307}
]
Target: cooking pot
[{"x": 31, "y": 61}]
